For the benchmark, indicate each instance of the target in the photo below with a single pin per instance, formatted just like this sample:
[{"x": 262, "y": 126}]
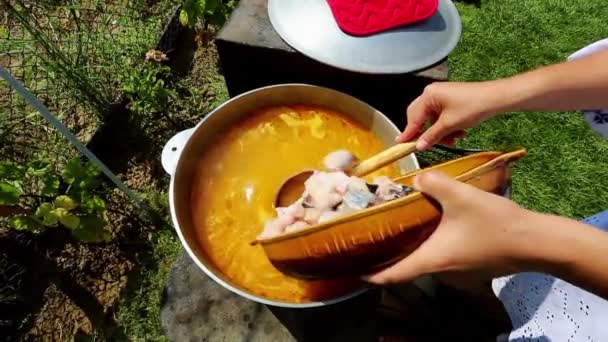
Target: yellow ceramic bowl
[{"x": 373, "y": 238}]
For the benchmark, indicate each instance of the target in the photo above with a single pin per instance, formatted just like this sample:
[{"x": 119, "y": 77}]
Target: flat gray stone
[{"x": 195, "y": 308}]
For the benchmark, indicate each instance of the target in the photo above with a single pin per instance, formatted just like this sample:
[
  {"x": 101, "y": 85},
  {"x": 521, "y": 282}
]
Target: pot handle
[{"x": 173, "y": 149}]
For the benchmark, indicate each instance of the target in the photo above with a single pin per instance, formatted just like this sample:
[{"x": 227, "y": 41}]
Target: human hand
[
  {"x": 478, "y": 233},
  {"x": 452, "y": 107}
]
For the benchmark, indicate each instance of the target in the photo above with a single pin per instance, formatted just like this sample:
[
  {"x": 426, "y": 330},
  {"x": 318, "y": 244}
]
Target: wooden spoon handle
[{"x": 384, "y": 158}]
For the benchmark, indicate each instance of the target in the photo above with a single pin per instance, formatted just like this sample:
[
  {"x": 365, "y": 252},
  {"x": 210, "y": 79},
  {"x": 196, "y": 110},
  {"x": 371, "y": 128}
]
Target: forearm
[
  {"x": 570, "y": 250},
  {"x": 575, "y": 85}
]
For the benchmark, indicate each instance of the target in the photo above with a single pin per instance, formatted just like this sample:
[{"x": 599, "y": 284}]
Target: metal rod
[
  {"x": 36, "y": 104},
  {"x": 455, "y": 150}
]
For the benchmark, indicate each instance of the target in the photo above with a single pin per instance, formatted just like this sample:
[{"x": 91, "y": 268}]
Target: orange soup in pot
[{"x": 236, "y": 182}]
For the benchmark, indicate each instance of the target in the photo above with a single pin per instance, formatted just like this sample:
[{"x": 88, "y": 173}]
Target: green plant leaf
[
  {"x": 25, "y": 223},
  {"x": 38, "y": 167},
  {"x": 86, "y": 184},
  {"x": 45, "y": 212},
  {"x": 17, "y": 184},
  {"x": 212, "y": 6},
  {"x": 81, "y": 176},
  {"x": 51, "y": 185},
  {"x": 9, "y": 195},
  {"x": 66, "y": 218},
  {"x": 183, "y": 18},
  {"x": 217, "y": 18},
  {"x": 201, "y": 6},
  {"x": 65, "y": 202},
  {"x": 93, "y": 204},
  {"x": 10, "y": 171},
  {"x": 3, "y": 33},
  {"x": 72, "y": 170},
  {"x": 91, "y": 229}
]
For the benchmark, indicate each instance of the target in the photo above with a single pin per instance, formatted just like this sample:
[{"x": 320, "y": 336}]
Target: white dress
[{"x": 545, "y": 308}]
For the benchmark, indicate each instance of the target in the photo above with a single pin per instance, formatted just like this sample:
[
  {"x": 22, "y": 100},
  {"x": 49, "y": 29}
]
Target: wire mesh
[
  {"x": 72, "y": 55},
  {"x": 93, "y": 39}
]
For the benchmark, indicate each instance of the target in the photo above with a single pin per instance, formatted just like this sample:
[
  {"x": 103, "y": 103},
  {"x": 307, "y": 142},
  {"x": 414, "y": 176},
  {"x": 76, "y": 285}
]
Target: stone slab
[{"x": 195, "y": 308}]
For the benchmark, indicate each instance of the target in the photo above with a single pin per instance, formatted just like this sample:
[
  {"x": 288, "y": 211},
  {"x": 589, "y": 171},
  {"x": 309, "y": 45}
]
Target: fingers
[
  {"x": 440, "y": 186},
  {"x": 405, "y": 270},
  {"x": 417, "y": 114},
  {"x": 433, "y": 135}
]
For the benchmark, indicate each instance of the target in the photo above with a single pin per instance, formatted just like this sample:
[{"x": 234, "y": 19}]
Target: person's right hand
[
  {"x": 479, "y": 232},
  {"x": 452, "y": 107}
]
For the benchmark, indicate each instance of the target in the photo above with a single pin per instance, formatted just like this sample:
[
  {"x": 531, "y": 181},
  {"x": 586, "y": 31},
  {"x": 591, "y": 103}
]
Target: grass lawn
[
  {"x": 567, "y": 162},
  {"x": 566, "y": 166}
]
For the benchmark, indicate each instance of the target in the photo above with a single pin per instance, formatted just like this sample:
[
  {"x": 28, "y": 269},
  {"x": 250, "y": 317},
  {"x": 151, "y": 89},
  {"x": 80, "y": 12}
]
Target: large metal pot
[{"x": 183, "y": 150}]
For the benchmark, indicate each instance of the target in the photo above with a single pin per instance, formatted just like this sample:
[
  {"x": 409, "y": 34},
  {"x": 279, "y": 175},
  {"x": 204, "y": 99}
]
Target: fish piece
[
  {"x": 340, "y": 160},
  {"x": 296, "y": 210},
  {"x": 312, "y": 215},
  {"x": 307, "y": 201},
  {"x": 331, "y": 194},
  {"x": 358, "y": 195},
  {"x": 329, "y": 215},
  {"x": 339, "y": 181},
  {"x": 372, "y": 187},
  {"x": 322, "y": 189},
  {"x": 298, "y": 225},
  {"x": 345, "y": 209},
  {"x": 275, "y": 227},
  {"x": 388, "y": 190}
]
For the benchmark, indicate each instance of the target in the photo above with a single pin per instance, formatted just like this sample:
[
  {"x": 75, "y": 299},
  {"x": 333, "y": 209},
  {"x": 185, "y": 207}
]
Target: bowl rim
[
  {"x": 185, "y": 244},
  {"x": 487, "y": 166}
]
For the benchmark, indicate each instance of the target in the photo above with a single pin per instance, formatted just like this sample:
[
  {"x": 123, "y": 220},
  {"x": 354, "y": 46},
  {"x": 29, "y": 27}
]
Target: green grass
[
  {"x": 566, "y": 165},
  {"x": 139, "y": 312}
]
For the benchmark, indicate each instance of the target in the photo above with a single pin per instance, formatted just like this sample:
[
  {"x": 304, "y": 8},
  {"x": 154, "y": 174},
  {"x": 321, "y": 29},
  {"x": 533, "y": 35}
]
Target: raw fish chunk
[
  {"x": 324, "y": 189},
  {"x": 388, "y": 190},
  {"x": 299, "y": 225},
  {"x": 341, "y": 160},
  {"x": 332, "y": 194},
  {"x": 358, "y": 195}
]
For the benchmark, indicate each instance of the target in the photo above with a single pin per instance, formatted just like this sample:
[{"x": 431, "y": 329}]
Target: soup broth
[{"x": 237, "y": 180}]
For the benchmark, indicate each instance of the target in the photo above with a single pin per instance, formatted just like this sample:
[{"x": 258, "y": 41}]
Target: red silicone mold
[{"x": 364, "y": 17}]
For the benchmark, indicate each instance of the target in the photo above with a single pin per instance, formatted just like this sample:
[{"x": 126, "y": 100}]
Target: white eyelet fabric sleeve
[
  {"x": 596, "y": 118},
  {"x": 545, "y": 308}
]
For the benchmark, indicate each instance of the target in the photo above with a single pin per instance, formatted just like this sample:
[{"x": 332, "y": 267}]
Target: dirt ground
[{"x": 61, "y": 290}]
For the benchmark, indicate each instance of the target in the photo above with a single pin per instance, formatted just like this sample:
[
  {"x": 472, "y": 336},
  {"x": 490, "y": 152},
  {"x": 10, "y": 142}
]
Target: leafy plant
[
  {"x": 65, "y": 198},
  {"x": 146, "y": 90},
  {"x": 58, "y": 62},
  {"x": 213, "y": 12}
]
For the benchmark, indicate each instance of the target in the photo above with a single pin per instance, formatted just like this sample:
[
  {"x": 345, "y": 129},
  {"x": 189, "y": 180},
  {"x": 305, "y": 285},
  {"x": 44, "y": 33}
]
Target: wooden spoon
[{"x": 293, "y": 188}]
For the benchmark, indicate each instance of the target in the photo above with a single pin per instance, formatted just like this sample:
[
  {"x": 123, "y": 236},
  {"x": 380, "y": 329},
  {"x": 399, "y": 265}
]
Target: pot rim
[{"x": 185, "y": 244}]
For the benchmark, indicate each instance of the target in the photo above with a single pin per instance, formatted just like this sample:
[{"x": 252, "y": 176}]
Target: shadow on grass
[
  {"x": 37, "y": 264},
  {"x": 182, "y": 57},
  {"x": 476, "y": 3},
  {"x": 40, "y": 272}
]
